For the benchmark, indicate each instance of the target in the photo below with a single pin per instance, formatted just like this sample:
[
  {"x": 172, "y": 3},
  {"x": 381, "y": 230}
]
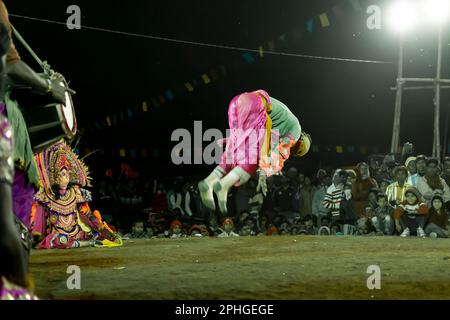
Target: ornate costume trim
[{"x": 60, "y": 156}]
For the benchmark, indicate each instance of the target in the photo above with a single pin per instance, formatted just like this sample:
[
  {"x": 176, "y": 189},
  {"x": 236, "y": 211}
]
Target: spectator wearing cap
[
  {"x": 360, "y": 189},
  {"x": 383, "y": 216},
  {"x": 227, "y": 228},
  {"x": 176, "y": 229},
  {"x": 437, "y": 223},
  {"x": 410, "y": 164},
  {"x": 195, "y": 231},
  {"x": 410, "y": 215},
  {"x": 395, "y": 192},
  {"x": 446, "y": 170},
  {"x": 318, "y": 209},
  {"x": 432, "y": 183},
  {"x": 272, "y": 230}
]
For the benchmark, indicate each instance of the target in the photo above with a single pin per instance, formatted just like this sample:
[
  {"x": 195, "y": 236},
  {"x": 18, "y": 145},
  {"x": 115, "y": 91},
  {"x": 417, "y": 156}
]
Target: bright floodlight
[
  {"x": 437, "y": 11},
  {"x": 402, "y": 16}
]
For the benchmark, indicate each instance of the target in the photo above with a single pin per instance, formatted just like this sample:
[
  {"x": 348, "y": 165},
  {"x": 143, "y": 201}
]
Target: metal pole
[
  {"x": 398, "y": 102},
  {"x": 437, "y": 100},
  {"x": 444, "y": 149}
]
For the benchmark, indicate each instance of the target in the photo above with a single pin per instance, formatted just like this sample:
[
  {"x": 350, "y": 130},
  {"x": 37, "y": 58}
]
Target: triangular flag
[
  {"x": 206, "y": 79},
  {"x": 144, "y": 153},
  {"x": 162, "y": 100},
  {"x": 309, "y": 25},
  {"x": 169, "y": 95},
  {"x": 261, "y": 51},
  {"x": 248, "y": 57},
  {"x": 122, "y": 153},
  {"x": 339, "y": 149},
  {"x": 129, "y": 113},
  {"x": 324, "y": 20},
  {"x": 351, "y": 149},
  {"x": 283, "y": 37},
  {"x": 271, "y": 45},
  {"x": 122, "y": 116},
  {"x": 108, "y": 121},
  {"x": 189, "y": 87},
  {"x": 114, "y": 119},
  {"x": 133, "y": 153},
  {"x": 97, "y": 124},
  {"x": 144, "y": 106},
  {"x": 315, "y": 148}
]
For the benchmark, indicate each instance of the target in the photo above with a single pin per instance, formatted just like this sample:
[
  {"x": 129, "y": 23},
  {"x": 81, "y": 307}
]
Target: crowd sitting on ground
[{"x": 406, "y": 198}]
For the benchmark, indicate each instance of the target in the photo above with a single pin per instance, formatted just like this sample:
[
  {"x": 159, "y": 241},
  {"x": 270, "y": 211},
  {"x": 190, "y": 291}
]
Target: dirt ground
[{"x": 288, "y": 267}]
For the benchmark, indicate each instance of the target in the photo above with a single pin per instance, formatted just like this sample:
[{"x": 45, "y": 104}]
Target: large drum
[{"x": 48, "y": 122}]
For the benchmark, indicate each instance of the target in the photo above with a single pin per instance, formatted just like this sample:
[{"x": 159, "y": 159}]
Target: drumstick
[{"x": 71, "y": 91}]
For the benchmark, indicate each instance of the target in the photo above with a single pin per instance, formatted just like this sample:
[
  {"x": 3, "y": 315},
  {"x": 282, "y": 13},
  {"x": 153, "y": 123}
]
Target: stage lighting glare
[
  {"x": 436, "y": 11},
  {"x": 402, "y": 16}
]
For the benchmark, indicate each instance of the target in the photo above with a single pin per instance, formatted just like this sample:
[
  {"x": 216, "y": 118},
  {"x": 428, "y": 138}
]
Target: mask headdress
[
  {"x": 58, "y": 157},
  {"x": 302, "y": 146}
]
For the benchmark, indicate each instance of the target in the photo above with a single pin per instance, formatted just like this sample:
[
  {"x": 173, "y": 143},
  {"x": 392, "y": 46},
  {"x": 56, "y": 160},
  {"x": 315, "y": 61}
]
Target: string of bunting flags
[
  {"x": 156, "y": 153},
  {"x": 322, "y": 20}
]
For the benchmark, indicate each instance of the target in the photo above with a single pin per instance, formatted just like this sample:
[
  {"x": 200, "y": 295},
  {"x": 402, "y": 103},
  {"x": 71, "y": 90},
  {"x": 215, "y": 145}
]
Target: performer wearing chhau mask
[{"x": 264, "y": 133}]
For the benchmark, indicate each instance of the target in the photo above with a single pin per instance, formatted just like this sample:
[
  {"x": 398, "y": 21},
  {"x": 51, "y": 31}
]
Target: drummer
[{"x": 26, "y": 178}]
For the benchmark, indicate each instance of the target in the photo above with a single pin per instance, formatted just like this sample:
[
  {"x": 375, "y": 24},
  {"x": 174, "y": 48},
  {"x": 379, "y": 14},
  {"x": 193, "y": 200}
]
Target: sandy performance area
[{"x": 285, "y": 267}]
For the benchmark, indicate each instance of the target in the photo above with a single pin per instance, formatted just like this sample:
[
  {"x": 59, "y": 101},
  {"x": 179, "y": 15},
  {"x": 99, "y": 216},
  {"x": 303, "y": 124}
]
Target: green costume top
[
  {"x": 23, "y": 153},
  {"x": 284, "y": 120}
]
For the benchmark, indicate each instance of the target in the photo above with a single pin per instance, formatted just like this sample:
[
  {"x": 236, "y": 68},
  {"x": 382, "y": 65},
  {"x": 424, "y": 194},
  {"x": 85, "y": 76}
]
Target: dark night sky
[{"x": 338, "y": 103}]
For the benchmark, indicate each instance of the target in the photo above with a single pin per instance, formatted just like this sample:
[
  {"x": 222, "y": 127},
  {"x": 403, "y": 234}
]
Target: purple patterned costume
[{"x": 8, "y": 290}]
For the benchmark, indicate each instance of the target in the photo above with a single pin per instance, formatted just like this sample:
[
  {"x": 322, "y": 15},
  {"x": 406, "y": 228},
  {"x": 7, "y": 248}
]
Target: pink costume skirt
[{"x": 247, "y": 118}]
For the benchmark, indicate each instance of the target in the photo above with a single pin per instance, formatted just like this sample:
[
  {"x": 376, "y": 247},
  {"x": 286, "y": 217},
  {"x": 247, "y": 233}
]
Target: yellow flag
[
  {"x": 122, "y": 153},
  {"x": 189, "y": 87},
  {"x": 144, "y": 106},
  {"x": 206, "y": 79},
  {"x": 339, "y": 149},
  {"x": 108, "y": 121},
  {"x": 324, "y": 20},
  {"x": 261, "y": 51}
]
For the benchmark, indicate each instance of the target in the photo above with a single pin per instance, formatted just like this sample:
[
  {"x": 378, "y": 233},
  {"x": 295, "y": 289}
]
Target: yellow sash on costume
[{"x": 265, "y": 150}]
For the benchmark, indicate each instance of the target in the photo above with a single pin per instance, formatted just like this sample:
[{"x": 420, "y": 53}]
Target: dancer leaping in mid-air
[{"x": 264, "y": 133}]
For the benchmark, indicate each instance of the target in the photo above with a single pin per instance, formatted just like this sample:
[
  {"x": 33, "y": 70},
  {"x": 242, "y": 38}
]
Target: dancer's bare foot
[
  {"x": 222, "y": 197},
  {"x": 206, "y": 193}
]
